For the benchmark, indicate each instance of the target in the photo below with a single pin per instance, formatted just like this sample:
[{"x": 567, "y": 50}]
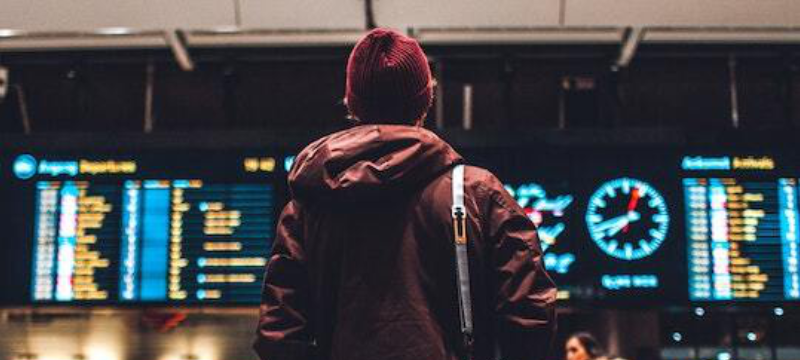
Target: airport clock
[{"x": 627, "y": 219}]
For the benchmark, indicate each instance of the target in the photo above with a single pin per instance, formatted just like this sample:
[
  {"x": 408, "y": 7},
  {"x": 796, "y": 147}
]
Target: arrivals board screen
[
  {"x": 171, "y": 227},
  {"x": 662, "y": 225},
  {"x": 742, "y": 229}
]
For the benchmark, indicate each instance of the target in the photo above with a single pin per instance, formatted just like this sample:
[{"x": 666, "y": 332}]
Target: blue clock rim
[{"x": 618, "y": 254}]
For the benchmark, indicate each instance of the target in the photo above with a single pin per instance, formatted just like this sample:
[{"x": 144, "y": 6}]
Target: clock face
[{"x": 627, "y": 218}]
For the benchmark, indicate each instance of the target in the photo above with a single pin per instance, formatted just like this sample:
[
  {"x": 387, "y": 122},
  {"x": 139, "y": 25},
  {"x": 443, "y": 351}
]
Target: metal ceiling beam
[
  {"x": 722, "y": 35},
  {"x": 105, "y": 38},
  {"x": 176, "y": 39},
  {"x": 232, "y": 36},
  {"x": 236, "y": 37},
  {"x": 630, "y": 43},
  {"x": 519, "y": 36}
]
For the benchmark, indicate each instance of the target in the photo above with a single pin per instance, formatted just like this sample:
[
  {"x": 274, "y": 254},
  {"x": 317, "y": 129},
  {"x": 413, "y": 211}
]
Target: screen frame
[{"x": 467, "y": 142}]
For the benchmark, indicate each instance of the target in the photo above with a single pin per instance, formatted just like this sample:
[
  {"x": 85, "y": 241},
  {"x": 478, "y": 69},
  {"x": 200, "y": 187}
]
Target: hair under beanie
[{"x": 388, "y": 79}]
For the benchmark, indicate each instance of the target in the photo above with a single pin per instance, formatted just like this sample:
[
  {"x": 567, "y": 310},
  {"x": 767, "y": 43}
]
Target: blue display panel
[
  {"x": 742, "y": 239},
  {"x": 664, "y": 227},
  {"x": 741, "y": 229},
  {"x": 72, "y": 260},
  {"x": 551, "y": 213},
  {"x": 645, "y": 227},
  {"x": 108, "y": 231},
  {"x": 790, "y": 243},
  {"x": 606, "y": 223}
]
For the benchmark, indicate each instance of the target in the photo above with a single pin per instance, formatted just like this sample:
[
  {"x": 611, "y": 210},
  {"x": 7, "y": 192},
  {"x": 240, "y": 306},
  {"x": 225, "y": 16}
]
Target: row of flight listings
[{"x": 153, "y": 227}]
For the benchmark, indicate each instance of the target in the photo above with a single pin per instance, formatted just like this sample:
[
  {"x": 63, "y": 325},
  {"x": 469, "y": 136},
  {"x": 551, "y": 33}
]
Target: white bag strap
[{"x": 459, "y": 213}]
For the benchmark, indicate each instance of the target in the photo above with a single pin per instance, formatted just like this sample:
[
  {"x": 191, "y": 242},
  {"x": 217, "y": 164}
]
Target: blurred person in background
[
  {"x": 584, "y": 346},
  {"x": 363, "y": 265}
]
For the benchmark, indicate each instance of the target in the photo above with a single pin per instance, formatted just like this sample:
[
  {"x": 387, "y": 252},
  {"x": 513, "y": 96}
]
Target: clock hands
[
  {"x": 614, "y": 225},
  {"x": 627, "y": 218},
  {"x": 632, "y": 205}
]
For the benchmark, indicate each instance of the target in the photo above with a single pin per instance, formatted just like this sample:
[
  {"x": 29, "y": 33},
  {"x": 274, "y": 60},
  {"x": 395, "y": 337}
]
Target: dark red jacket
[{"x": 363, "y": 265}]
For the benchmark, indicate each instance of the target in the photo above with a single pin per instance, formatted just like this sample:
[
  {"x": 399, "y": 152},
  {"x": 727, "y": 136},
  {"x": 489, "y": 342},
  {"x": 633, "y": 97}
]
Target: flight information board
[
  {"x": 742, "y": 241},
  {"x": 134, "y": 229},
  {"x": 654, "y": 226},
  {"x": 661, "y": 226}
]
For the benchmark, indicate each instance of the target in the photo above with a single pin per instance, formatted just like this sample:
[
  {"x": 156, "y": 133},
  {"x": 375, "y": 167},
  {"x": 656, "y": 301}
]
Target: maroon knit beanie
[{"x": 388, "y": 79}]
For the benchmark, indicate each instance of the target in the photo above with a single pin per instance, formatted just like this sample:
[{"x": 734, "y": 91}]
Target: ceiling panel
[
  {"x": 59, "y": 15},
  {"x": 683, "y": 12},
  {"x": 302, "y": 14},
  {"x": 466, "y": 13}
]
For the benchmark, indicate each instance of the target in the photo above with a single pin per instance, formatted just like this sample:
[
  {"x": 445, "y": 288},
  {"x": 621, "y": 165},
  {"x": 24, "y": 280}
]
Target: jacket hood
[{"x": 368, "y": 159}]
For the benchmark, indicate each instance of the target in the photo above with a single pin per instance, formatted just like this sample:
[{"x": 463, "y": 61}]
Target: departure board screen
[
  {"x": 177, "y": 227},
  {"x": 741, "y": 231}
]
